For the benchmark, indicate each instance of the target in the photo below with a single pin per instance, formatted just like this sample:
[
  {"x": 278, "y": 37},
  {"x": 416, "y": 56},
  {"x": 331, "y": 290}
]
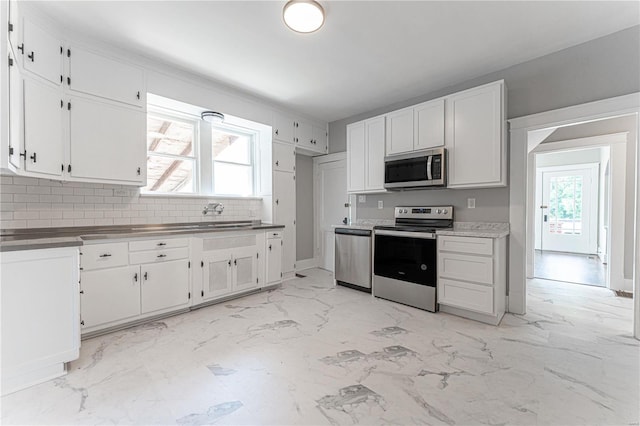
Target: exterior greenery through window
[{"x": 188, "y": 156}]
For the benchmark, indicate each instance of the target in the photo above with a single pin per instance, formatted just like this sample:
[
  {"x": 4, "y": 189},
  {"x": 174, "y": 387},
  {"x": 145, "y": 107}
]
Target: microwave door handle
[{"x": 429, "y": 176}]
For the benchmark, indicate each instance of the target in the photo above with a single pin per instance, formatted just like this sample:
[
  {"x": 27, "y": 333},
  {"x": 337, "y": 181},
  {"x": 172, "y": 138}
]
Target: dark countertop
[{"x": 41, "y": 238}]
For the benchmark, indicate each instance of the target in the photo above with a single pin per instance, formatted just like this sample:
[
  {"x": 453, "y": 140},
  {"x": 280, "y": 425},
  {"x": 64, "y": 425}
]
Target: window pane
[
  {"x": 168, "y": 136},
  {"x": 232, "y": 179},
  {"x": 169, "y": 175},
  {"x": 231, "y": 147}
]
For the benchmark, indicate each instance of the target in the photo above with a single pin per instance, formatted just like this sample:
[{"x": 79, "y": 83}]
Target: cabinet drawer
[
  {"x": 274, "y": 234},
  {"x": 464, "y": 267},
  {"x": 99, "y": 256},
  {"x": 471, "y": 245},
  {"x": 474, "y": 297},
  {"x": 168, "y": 243},
  {"x": 159, "y": 255}
]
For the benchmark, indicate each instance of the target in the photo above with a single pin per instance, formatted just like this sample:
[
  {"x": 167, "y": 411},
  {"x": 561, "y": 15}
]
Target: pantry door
[{"x": 569, "y": 209}]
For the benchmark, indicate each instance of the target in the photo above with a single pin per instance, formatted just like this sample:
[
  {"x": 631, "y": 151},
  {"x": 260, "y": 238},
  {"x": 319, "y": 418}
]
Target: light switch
[
  {"x": 471, "y": 203},
  {"x": 380, "y": 204},
  {"x": 362, "y": 198}
]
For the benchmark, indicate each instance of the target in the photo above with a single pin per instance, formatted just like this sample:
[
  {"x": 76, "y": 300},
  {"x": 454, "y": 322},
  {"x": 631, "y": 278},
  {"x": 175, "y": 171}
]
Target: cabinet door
[
  {"x": 42, "y": 53},
  {"x": 375, "y": 134},
  {"x": 319, "y": 138},
  {"x": 110, "y": 295},
  {"x": 107, "y": 142},
  {"x": 428, "y": 125},
  {"x": 245, "y": 268},
  {"x": 356, "y": 159},
  {"x": 284, "y": 157},
  {"x": 15, "y": 114},
  {"x": 400, "y": 131},
  {"x": 274, "y": 260},
  {"x": 303, "y": 134},
  {"x": 100, "y": 76},
  {"x": 284, "y": 189},
  {"x": 43, "y": 138},
  {"x": 216, "y": 274},
  {"x": 474, "y": 137},
  {"x": 282, "y": 128},
  {"x": 164, "y": 285}
]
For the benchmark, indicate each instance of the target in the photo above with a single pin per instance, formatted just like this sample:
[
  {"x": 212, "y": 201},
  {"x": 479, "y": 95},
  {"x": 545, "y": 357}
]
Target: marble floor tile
[{"x": 310, "y": 353}]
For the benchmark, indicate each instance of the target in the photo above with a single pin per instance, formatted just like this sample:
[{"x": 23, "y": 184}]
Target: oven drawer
[
  {"x": 464, "y": 267},
  {"x": 470, "y": 245},
  {"x": 98, "y": 256},
  {"x": 474, "y": 297}
]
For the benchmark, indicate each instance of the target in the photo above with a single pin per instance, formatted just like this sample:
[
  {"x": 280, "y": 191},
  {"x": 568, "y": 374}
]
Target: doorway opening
[{"x": 571, "y": 221}]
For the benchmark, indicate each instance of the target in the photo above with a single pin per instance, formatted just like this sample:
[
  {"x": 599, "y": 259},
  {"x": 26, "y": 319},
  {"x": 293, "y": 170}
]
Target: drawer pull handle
[
  {"x": 161, "y": 244},
  {"x": 162, "y": 255},
  {"x": 105, "y": 255},
  {"x": 146, "y": 276}
]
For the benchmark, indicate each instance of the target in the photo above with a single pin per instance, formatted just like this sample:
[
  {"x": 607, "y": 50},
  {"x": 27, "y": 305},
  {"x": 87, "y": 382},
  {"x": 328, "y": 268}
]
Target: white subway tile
[
  {"x": 53, "y": 214},
  {"x": 6, "y": 215},
  {"x": 73, "y": 214},
  {"x": 104, "y": 206},
  {"x": 83, "y": 191},
  {"x": 26, "y": 198},
  {"x": 6, "y": 198},
  {"x": 113, "y": 200},
  {"x": 39, "y": 223},
  {"x": 14, "y": 189},
  {"x": 39, "y": 206},
  {"x": 121, "y": 221},
  {"x": 10, "y": 224},
  {"x": 73, "y": 198},
  {"x": 38, "y": 190},
  {"x": 83, "y": 222},
  {"x": 61, "y": 222},
  {"x": 139, "y": 207},
  {"x": 104, "y": 192},
  {"x": 19, "y": 180},
  {"x": 84, "y": 206},
  {"x": 50, "y": 198},
  {"x": 93, "y": 199},
  {"x": 112, "y": 213},
  {"x": 61, "y": 206},
  {"x": 6, "y": 180},
  {"x": 62, "y": 191},
  {"x": 103, "y": 222},
  {"x": 93, "y": 214}
]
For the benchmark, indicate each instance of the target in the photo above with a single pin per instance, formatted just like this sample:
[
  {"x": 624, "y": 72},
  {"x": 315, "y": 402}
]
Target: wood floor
[{"x": 570, "y": 267}]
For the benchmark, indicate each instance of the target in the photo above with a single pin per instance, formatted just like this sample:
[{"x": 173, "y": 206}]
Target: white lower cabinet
[
  {"x": 273, "y": 254},
  {"x": 110, "y": 295},
  {"x": 40, "y": 324},
  {"x": 472, "y": 277},
  {"x": 164, "y": 285}
]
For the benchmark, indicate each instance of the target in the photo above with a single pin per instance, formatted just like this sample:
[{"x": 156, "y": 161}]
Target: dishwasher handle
[{"x": 355, "y": 232}]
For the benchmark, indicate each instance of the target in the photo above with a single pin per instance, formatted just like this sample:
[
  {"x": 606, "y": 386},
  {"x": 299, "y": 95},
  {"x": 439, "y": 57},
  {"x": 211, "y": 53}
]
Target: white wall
[{"x": 304, "y": 207}]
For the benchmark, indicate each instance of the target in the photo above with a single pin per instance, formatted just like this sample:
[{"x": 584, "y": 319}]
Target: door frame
[
  {"x": 526, "y": 133},
  {"x": 318, "y": 252}
]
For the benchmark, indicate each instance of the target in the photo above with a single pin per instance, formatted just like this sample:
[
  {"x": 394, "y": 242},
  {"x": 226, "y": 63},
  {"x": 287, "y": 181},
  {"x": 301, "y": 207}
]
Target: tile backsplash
[{"x": 41, "y": 203}]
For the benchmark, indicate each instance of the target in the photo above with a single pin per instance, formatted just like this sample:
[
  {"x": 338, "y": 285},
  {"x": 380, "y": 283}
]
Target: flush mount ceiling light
[
  {"x": 212, "y": 117},
  {"x": 303, "y": 16}
]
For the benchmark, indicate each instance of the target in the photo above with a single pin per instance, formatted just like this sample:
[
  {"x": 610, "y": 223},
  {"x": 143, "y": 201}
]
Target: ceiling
[{"x": 369, "y": 54}]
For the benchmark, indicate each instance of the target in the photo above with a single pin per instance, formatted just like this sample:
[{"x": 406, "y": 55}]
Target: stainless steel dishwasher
[{"x": 353, "y": 258}]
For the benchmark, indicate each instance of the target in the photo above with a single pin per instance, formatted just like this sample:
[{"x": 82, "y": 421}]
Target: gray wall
[
  {"x": 304, "y": 207},
  {"x": 605, "y": 127},
  {"x": 599, "y": 69}
]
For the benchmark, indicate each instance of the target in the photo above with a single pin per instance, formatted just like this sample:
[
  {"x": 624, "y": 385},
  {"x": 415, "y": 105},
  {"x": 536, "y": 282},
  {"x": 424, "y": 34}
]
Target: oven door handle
[
  {"x": 429, "y": 175},
  {"x": 423, "y": 235}
]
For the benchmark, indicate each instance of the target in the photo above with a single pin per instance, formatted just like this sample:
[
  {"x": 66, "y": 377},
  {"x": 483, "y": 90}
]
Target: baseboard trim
[{"x": 303, "y": 264}]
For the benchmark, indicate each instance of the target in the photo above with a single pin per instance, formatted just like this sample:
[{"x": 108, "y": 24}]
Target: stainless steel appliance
[
  {"x": 404, "y": 256},
  {"x": 416, "y": 170},
  {"x": 353, "y": 258}
]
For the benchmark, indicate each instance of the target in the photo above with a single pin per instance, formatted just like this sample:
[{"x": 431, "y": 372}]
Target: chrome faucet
[{"x": 215, "y": 207}]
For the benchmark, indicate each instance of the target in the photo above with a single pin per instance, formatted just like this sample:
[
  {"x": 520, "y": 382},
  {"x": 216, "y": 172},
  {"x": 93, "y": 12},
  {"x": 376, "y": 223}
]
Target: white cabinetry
[
  {"x": 476, "y": 137},
  {"x": 400, "y": 131},
  {"x": 472, "y": 277},
  {"x": 100, "y": 149},
  {"x": 308, "y": 138},
  {"x": 365, "y": 155},
  {"x": 110, "y": 295},
  {"x": 284, "y": 213},
  {"x": 282, "y": 128},
  {"x": 428, "y": 124},
  {"x": 273, "y": 257},
  {"x": 40, "y": 51},
  {"x": 165, "y": 285},
  {"x": 40, "y": 315},
  {"x": 284, "y": 157}
]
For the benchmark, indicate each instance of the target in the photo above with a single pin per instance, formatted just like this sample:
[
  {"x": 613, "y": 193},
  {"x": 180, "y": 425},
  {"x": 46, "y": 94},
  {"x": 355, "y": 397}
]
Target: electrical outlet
[
  {"x": 471, "y": 203},
  {"x": 380, "y": 204},
  {"x": 362, "y": 198}
]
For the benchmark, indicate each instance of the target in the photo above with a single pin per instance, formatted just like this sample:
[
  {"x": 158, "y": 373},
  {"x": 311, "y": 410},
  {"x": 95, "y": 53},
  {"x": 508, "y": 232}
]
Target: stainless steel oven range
[{"x": 404, "y": 256}]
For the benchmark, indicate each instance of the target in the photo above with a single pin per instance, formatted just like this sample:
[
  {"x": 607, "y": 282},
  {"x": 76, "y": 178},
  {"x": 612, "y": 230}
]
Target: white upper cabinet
[
  {"x": 41, "y": 52},
  {"x": 43, "y": 134},
  {"x": 365, "y": 155},
  {"x": 319, "y": 139},
  {"x": 302, "y": 134},
  {"x": 308, "y": 138},
  {"x": 355, "y": 157},
  {"x": 475, "y": 137},
  {"x": 284, "y": 157},
  {"x": 282, "y": 128},
  {"x": 428, "y": 125},
  {"x": 15, "y": 114},
  {"x": 400, "y": 131},
  {"x": 103, "y": 77},
  {"x": 107, "y": 142}
]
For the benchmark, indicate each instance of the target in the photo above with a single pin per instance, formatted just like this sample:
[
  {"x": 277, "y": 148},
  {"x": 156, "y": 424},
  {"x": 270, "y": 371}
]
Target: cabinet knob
[
  {"x": 161, "y": 244},
  {"x": 33, "y": 157},
  {"x": 277, "y": 202},
  {"x": 269, "y": 247},
  {"x": 146, "y": 276},
  {"x": 161, "y": 255},
  {"x": 105, "y": 255},
  {"x": 229, "y": 263},
  {"x": 277, "y": 131},
  {"x": 135, "y": 277}
]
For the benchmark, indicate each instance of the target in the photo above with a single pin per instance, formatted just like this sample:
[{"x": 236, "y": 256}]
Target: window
[
  {"x": 186, "y": 155},
  {"x": 171, "y": 155}
]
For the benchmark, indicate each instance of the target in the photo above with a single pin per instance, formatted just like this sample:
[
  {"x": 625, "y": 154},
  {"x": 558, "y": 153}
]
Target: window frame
[{"x": 252, "y": 135}]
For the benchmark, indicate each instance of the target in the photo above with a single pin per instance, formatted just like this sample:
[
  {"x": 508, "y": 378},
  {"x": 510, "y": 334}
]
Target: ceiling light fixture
[
  {"x": 303, "y": 16},
  {"x": 212, "y": 117}
]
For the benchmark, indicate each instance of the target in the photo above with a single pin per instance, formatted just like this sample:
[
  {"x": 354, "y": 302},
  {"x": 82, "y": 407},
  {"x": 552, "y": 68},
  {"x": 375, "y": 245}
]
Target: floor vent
[{"x": 622, "y": 293}]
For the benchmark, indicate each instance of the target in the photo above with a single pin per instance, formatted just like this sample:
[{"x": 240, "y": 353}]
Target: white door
[
  {"x": 102, "y": 150},
  {"x": 42, "y": 128},
  {"x": 216, "y": 274},
  {"x": 110, "y": 295},
  {"x": 284, "y": 157},
  {"x": 374, "y": 162},
  {"x": 245, "y": 268},
  {"x": 569, "y": 210},
  {"x": 356, "y": 156},
  {"x": 164, "y": 285},
  {"x": 400, "y": 131},
  {"x": 428, "y": 125},
  {"x": 42, "y": 53},
  {"x": 274, "y": 260},
  {"x": 332, "y": 205},
  {"x": 284, "y": 189}
]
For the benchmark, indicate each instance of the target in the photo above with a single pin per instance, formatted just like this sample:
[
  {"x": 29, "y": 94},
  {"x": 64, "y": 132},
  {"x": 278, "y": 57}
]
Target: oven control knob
[
  {"x": 445, "y": 211},
  {"x": 403, "y": 210}
]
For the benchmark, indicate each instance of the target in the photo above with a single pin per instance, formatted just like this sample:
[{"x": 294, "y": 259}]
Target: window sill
[{"x": 200, "y": 196}]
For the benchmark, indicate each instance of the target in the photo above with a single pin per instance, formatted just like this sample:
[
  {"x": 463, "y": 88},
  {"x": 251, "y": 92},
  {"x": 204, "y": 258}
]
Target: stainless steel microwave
[{"x": 416, "y": 170}]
